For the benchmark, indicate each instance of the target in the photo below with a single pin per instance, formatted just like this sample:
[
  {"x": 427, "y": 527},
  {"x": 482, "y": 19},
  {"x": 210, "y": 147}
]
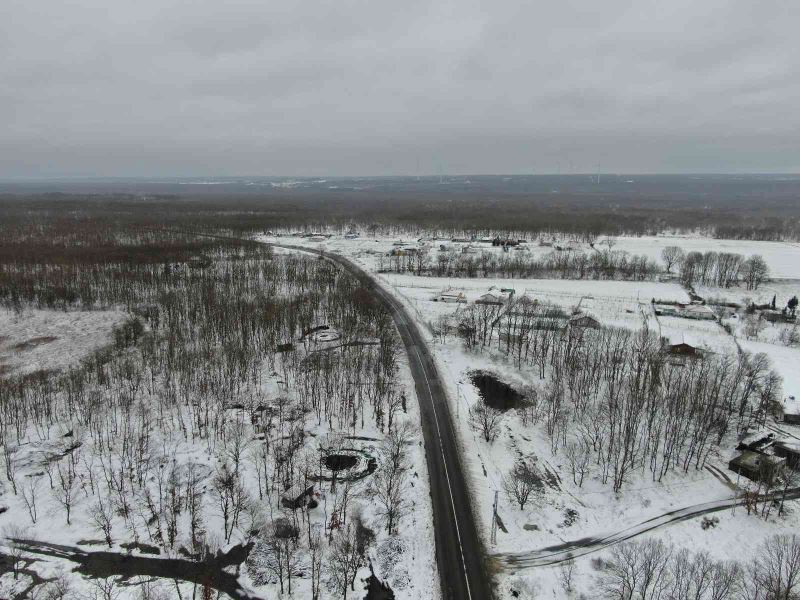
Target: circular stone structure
[{"x": 345, "y": 464}]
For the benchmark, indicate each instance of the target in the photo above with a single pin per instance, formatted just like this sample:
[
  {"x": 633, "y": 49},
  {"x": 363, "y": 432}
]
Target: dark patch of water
[
  {"x": 495, "y": 393},
  {"x": 340, "y": 462}
]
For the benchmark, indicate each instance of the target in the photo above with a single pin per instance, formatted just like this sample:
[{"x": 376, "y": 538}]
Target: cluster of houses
[
  {"x": 762, "y": 453},
  {"x": 761, "y": 456},
  {"x": 553, "y": 318},
  {"x": 495, "y": 295}
]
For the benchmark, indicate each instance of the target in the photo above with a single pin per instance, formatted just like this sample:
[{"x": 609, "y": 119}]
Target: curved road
[
  {"x": 559, "y": 553},
  {"x": 459, "y": 552}
]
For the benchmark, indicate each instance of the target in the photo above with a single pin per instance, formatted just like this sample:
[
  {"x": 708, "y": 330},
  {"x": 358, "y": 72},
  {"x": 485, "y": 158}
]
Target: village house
[
  {"x": 491, "y": 298},
  {"x": 497, "y": 296},
  {"x": 684, "y": 351},
  {"x": 584, "y": 321}
]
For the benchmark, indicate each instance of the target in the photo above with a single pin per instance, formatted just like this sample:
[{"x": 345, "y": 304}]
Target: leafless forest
[
  {"x": 190, "y": 431},
  {"x": 611, "y": 399}
]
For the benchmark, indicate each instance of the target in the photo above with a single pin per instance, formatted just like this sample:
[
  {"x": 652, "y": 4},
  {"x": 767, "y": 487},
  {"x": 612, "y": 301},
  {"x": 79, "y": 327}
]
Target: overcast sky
[{"x": 302, "y": 87}]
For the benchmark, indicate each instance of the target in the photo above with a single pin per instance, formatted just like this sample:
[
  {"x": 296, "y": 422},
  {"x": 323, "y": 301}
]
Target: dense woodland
[
  {"x": 186, "y": 432},
  {"x": 758, "y": 211}
]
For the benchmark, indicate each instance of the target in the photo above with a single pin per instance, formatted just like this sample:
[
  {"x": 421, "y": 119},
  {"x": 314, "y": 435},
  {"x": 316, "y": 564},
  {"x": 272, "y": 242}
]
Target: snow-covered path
[{"x": 552, "y": 555}]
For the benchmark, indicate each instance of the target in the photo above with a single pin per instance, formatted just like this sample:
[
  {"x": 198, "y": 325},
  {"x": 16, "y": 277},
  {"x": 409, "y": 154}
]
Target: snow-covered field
[
  {"x": 781, "y": 290},
  {"x": 43, "y": 339},
  {"x": 569, "y": 512},
  {"x": 783, "y": 258}
]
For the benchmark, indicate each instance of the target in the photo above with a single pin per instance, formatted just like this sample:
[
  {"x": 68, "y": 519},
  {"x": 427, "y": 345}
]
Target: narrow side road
[{"x": 558, "y": 553}]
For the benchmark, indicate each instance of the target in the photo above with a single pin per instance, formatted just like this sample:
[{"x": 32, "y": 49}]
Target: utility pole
[{"x": 494, "y": 519}]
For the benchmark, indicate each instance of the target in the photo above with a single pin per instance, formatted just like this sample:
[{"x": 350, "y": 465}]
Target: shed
[
  {"x": 296, "y": 496},
  {"x": 754, "y": 465}
]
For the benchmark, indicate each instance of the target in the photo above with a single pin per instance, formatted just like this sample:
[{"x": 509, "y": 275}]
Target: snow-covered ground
[
  {"x": 569, "y": 512},
  {"x": 405, "y": 561},
  {"x": 49, "y": 340},
  {"x": 783, "y": 258}
]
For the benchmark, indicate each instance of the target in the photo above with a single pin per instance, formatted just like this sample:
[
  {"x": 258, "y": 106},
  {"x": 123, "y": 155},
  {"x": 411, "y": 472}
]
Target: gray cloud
[{"x": 169, "y": 87}]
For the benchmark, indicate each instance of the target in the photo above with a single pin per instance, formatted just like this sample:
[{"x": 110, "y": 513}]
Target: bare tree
[
  {"x": 14, "y": 552},
  {"x": 344, "y": 561},
  {"x": 58, "y": 588},
  {"x": 104, "y": 589},
  {"x": 10, "y": 465},
  {"x": 389, "y": 485},
  {"x": 672, "y": 255},
  {"x": 579, "y": 456},
  {"x": 520, "y": 483},
  {"x": 102, "y": 520},
  {"x": 775, "y": 572},
  {"x": 755, "y": 271},
  {"x": 65, "y": 489},
  {"x": 566, "y": 574},
  {"x": 30, "y": 493},
  {"x": 486, "y": 420},
  {"x": 637, "y": 570}
]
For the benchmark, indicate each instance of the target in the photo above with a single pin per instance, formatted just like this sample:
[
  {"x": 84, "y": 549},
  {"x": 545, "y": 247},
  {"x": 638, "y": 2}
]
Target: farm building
[
  {"x": 685, "y": 311},
  {"x": 754, "y": 465},
  {"x": 791, "y": 411}
]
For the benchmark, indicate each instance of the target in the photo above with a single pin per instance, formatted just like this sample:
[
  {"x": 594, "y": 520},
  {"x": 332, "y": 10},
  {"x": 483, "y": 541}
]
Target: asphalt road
[{"x": 459, "y": 552}]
